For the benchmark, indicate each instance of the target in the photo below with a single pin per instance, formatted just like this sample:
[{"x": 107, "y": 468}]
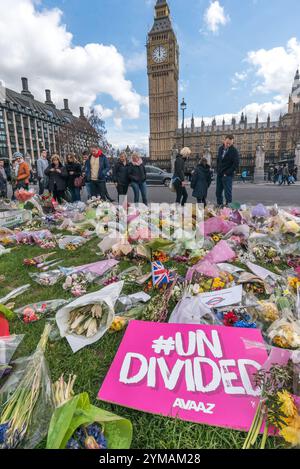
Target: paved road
[{"x": 245, "y": 193}]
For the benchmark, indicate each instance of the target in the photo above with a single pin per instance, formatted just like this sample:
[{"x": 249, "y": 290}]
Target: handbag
[
  {"x": 171, "y": 186},
  {"x": 78, "y": 182}
]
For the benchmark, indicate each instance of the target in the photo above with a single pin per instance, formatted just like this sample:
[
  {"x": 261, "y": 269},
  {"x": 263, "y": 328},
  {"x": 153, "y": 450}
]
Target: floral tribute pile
[{"x": 256, "y": 250}]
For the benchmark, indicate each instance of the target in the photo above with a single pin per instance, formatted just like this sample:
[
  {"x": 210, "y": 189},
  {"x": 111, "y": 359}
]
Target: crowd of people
[
  {"x": 283, "y": 175},
  {"x": 68, "y": 179}
]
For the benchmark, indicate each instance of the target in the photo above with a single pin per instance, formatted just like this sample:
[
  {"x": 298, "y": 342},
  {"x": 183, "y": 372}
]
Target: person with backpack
[{"x": 201, "y": 181}]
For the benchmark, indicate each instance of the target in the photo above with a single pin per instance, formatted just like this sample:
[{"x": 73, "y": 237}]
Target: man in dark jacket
[
  {"x": 179, "y": 180},
  {"x": 96, "y": 170},
  {"x": 227, "y": 164}
]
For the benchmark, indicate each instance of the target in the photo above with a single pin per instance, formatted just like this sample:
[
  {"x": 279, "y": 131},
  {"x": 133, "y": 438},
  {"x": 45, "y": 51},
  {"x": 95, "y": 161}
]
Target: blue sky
[{"x": 234, "y": 55}]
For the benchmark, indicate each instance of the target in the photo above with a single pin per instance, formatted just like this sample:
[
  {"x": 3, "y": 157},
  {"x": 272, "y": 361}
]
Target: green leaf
[
  {"x": 7, "y": 313},
  {"x": 160, "y": 244},
  {"x": 77, "y": 412},
  {"x": 61, "y": 420}
]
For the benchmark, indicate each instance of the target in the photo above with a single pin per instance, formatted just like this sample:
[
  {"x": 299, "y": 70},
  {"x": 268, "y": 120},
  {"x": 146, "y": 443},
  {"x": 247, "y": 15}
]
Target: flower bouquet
[
  {"x": 79, "y": 425},
  {"x": 77, "y": 283},
  {"x": 23, "y": 196},
  {"x": 237, "y": 317},
  {"x": 47, "y": 279},
  {"x": 277, "y": 407},
  {"x": 26, "y": 404},
  {"x": 35, "y": 312},
  {"x": 285, "y": 333},
  {"x": 204, "y": 284}
]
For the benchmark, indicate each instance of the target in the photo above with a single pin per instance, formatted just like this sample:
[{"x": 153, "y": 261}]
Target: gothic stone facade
[{"x": 279, "y": 138}]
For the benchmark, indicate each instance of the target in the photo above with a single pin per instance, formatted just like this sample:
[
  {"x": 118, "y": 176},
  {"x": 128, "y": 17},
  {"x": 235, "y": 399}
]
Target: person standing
[
  {"x": 74, "y": 180},
  {"x": 96, "y": 170},
  {"x": 285, "y": 175},
  {"x": 275, "y": 174},
  {"x": 137, "y": 178},
  {"x": 295, "y": 173},
  {"x": 201, "y": 181},
  {"x": 280, "y": 175},
  {"x": 179, "y": 178},
  {"x": 42, "y": 164},
  {"x": 87, "y": 184},
  {"x": 227, "y": 165},
  {"x": 22, "y": 172},
  {"x": 57, "y": 175},
  {"x": 3, "y": 180},
  {"x": 120, "y": 175}
]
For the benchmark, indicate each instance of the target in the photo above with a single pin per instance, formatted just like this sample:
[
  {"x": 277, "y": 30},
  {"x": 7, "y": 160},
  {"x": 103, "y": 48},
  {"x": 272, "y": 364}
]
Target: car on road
[{"x": 157, "y": 176}]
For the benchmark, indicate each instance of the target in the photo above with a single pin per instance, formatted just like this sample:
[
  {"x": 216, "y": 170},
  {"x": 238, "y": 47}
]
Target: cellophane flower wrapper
[
  {"x": 79, "y": 412},
  {"x": 285, "y": 333},
  {"x": 50, "y": 278},
  {"x": 8, "y": 346},
  {"x": 107, "y": 295},
  {"x": 44, "y": 407},
  {"x": 190, "y": 310},
  {"x": 39, "y": 310},
  {"x": 217, "y": 225},
  {"x": 71, "y": 240}
]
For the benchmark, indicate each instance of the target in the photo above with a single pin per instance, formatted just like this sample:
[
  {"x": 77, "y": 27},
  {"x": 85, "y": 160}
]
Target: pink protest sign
[{"x": 196, "y": 373}]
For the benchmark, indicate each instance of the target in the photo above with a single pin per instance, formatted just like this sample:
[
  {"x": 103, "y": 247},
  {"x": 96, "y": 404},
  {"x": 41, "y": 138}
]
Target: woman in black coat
[
  {"x": 57, "y": 175},
  {"x": 74, "y": 171},
  {"x": 120, "y": 175},
  {"x": 201, "y": 181}
]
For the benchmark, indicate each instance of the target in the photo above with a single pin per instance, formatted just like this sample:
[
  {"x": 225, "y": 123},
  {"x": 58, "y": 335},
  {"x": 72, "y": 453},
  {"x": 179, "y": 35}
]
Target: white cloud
[
  {"x": 215, "y": 16},
  {"x": 239, "y": 76},
  {"x": 136, "y": 62},
  {"x": 276, "y": 67},
  {"x": 120, "y": 138},
  {"x": 104, "y": 113},
  {"x": 35, "y": 43},
  {"x": 272, "y": 108}
]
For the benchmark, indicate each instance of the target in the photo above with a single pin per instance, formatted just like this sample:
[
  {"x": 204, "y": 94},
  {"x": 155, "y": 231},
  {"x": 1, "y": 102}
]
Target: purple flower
[
  {"x": 73, "y": 444},
  {"x": 245, "y": 325},
  {"x": 3, "y": 429}
]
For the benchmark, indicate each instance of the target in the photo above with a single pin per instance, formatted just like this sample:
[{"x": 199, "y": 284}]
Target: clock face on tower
[{"x": 160, "y": 54}]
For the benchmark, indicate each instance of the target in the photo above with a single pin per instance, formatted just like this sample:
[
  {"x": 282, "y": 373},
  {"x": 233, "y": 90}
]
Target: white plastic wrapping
[{"x": 109, "y": 295}]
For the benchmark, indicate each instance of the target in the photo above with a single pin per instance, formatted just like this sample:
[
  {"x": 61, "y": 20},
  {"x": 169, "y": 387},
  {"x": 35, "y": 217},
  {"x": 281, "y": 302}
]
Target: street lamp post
[{"x": 183, "y": 108}]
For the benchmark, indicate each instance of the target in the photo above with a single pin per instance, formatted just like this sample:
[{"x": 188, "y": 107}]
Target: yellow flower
[
  {"x": 291, "y": 435},
  {"x": 288, "y": 406}
]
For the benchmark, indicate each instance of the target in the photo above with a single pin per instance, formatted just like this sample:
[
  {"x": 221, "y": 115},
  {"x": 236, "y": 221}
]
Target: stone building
[
  {"x": 279, "y": 139},
  {"x": 28, "y": 126}
]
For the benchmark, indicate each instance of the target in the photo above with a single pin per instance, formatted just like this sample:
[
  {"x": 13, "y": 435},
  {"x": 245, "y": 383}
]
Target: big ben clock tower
[{"x": 163, "y": 74}]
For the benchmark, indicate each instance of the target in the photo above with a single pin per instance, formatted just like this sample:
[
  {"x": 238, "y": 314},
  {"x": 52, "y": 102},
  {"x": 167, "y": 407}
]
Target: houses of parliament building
[{"x": 278, "y": 138}]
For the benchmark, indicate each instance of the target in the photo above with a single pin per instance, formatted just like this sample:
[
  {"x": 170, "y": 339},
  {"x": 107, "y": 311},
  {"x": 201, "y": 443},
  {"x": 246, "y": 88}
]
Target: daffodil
[
  {"x": 288, "y": 406},
  {"x": 291, "y": 435}
]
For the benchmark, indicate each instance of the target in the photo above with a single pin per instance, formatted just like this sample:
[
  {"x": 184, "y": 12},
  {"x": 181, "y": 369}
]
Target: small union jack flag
[{"x": 160, "y": 275}]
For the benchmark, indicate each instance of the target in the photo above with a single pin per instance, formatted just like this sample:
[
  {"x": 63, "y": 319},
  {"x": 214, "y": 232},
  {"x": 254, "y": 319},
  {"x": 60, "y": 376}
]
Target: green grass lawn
[{"x": 92, "y": 363}]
